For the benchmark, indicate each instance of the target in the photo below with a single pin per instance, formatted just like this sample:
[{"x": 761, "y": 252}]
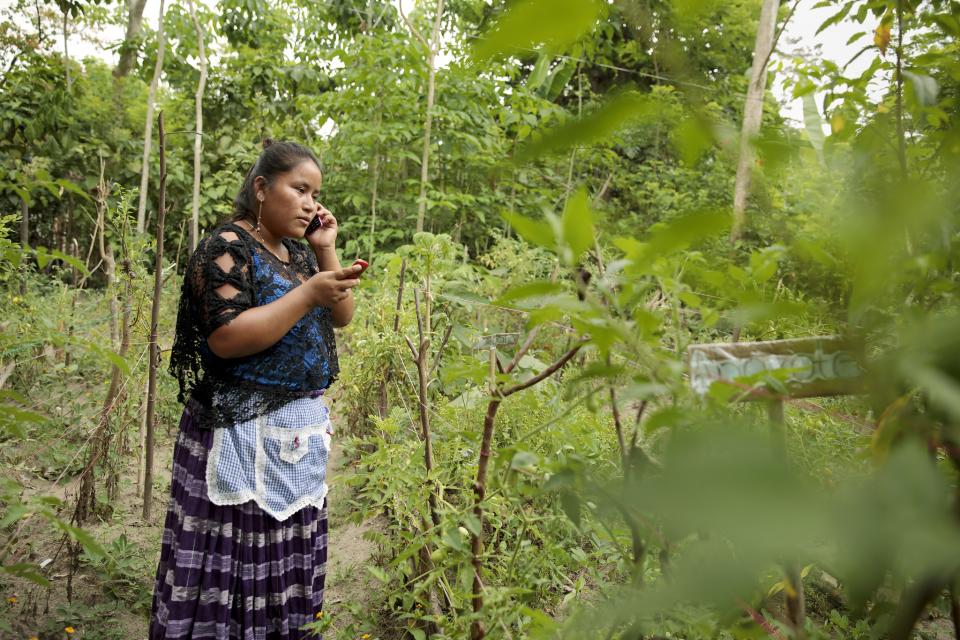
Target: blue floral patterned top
[{"x": 233, "y": 390}]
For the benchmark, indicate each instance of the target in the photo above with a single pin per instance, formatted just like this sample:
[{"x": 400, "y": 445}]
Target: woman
[{"x": 245, "y": 540}]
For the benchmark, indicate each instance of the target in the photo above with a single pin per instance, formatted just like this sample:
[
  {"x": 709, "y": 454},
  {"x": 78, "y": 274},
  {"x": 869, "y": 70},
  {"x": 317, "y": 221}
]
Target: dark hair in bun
[{"x": 276, "y": 158}]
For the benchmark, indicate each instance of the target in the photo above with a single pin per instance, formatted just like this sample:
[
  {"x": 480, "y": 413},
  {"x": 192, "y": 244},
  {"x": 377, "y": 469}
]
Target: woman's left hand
[{"x": 326, "y": 236}]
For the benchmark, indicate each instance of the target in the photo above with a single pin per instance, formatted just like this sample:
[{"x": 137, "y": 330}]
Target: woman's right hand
[{"x": 327, "y": 288}]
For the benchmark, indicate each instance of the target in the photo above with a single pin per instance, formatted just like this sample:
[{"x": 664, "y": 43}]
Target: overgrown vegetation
[{"x": 516, "y": 398}]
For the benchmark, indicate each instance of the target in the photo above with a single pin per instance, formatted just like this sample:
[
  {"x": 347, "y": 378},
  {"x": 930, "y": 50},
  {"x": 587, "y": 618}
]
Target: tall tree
[
  {"x": 433, "y": 47},
  {"x": 198, "y": 129},
  {"x": 148, "y": 125},
  {"x": 128, "y": 50},
  {"x": 752, "y": 113}
]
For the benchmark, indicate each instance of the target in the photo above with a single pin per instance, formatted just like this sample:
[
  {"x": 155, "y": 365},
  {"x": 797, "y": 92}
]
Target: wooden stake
[
  {"x": 382, "y": 408},
  {"x": 198, "y": 136},
  {"x": 147, "y": 127},
  {"x": 154, "y": 321}
]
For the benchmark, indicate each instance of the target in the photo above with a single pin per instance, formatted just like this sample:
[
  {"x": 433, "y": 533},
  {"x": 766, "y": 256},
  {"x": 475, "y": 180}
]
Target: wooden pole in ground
[
  {"x": 796, "y": 606},
  {"x": 198, "y": 136},
  {"x": 147, "y": 127},
  {"x": 383, "y": 400},
  {"x": 154, "y": 321},
  {"x": 433, "y": 47}
]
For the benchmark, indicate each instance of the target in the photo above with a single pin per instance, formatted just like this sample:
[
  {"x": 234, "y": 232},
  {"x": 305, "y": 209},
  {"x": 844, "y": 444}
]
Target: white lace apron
[{"x": 278, "y": 460}]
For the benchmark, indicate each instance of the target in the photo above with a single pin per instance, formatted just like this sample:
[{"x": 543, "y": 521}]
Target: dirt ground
[{"x": 34, "y": 608}]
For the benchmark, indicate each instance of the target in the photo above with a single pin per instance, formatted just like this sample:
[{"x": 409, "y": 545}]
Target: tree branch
[
  {"x": 413, "y": 349},
  {"x": 443, "y": 343},
  {"x": 531, "y": 336},
  {"x": 546, "y": 373},
  {"x": 413, "y": 29}
]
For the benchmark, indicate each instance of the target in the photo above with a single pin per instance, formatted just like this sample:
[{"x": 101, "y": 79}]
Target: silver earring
[{"x": 259, "y": 213}]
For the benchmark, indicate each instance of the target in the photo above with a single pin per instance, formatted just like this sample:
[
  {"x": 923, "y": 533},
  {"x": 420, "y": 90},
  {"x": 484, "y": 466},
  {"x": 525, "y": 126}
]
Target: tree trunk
[
  {"x": 154, "y": 321},
  {"x": 128, "y": 50},
  {"x": 497, "y": 395},
  {"x": 24, "y": 223},
  {"x": 753, "y": 114},
  {"x": 375, "y": 182},
  {"x": 432, "y": 48},
  {"x": 100, "y": 447},
  {"x": 148, "y": 125},
  {"x": 66, "y": 55},
  {"x": 198, "y": 135}
]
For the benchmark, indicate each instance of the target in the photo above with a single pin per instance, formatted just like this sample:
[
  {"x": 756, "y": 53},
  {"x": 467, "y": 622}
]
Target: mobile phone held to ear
[
  {"x": 315, "y": 224},
  {"x": 363, "y": 264}
]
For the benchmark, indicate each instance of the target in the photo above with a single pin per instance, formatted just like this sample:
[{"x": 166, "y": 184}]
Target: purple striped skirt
[{"x": 233, "y": 572}]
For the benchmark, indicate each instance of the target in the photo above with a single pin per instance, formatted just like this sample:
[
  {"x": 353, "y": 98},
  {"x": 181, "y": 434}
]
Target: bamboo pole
[
  {"x": 148, "y": 125},
  {"x": 433, "y": 47},
  {"x": 383, "y": 399},
  {"x": 154, "y": 321},
  {"x": 198, "y": 137}
]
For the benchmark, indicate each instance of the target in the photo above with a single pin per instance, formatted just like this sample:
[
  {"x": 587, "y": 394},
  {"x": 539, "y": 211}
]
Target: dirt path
[{"x": 348, "y": 585}]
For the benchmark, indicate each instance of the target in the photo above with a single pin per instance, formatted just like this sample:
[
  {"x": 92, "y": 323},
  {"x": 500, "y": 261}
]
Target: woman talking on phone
[{"x": 245, "y": 539}]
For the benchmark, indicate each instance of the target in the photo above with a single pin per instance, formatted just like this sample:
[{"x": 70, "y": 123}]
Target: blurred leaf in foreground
[
  {"x": 530, "y": 23},
  {"x": 599, "y": 124},
  {"x": 737, "y": 511}
]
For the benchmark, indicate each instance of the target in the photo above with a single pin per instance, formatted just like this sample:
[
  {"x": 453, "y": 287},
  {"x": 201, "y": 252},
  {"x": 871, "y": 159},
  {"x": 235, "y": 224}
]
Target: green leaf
[
  {"x": 539, "y": 73},
  {"x": 417, "y": 634},
  {"x": 13, "y": 514},
  {"x": 560, "y": 77},
  {"x": 570, "y": 503},
  {"x": 752, "y": 312},
  {"x": 73, "y": 261},
  {"x": 814, "y": 251},
  {"x": 692, "y": 138},
  {"x": 835, "y": 18},
  {"x": 813, "y": 124},
  {"x": 671, "y": 236},
  {"x": 378, "y": 573},
  {"x": 690, "y": 299},
  {"x": 72, "y": 187},
  {"x": 86, "y": 540},
  {"x": 577, "y": 225},
  {"x": 23, "y": 193},
  {"x": 12, "y": 419},
  {"x": 464, "y": 297},
  {"x": 26, "y": 571},
  {"x": 597, "y": 125},
  {"x": 471, "y": 523},
  {"x": 523, "y": 460},
  {"x": 536, "y": 232},
  {"x": 464, "y": 371},
  {"x": 948, "y": 23},
  {"x": 454, "y": 539},
  {"x": 925, "y": 88},
  {"x": 534, "y": 289},
  {"x": 107, "y": 354},
  {"x": 530, "y": 23}
]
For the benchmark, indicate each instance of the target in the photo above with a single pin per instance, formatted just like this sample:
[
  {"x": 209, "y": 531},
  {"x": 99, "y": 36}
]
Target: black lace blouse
[{"x": 229, "y": 272}]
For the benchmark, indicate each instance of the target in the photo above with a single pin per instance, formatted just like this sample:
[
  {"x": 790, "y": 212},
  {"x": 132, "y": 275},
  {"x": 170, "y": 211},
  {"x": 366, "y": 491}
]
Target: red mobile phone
[{"x": 363, "y": 265}]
